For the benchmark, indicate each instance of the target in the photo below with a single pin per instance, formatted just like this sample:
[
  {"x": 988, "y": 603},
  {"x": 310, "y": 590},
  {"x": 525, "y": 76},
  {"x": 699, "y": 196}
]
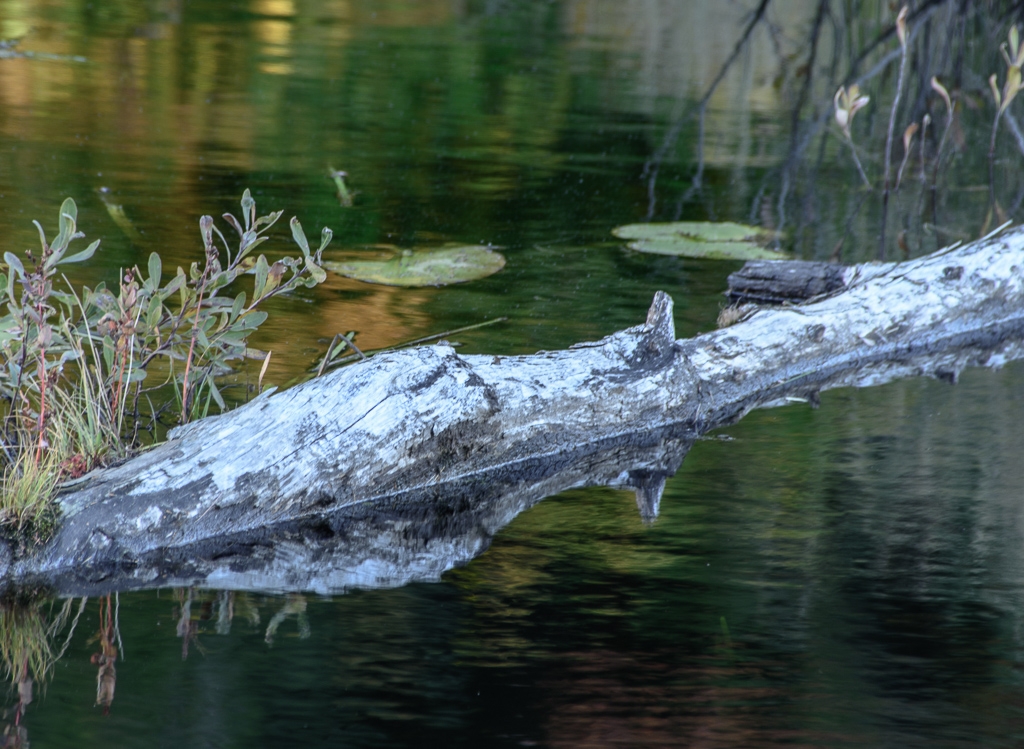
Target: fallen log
[{"x": 399, "y": 467}]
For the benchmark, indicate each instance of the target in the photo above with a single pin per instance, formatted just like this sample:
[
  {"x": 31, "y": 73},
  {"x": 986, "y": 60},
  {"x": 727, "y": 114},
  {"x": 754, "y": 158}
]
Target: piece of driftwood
[
  {"x": 782, "y": 281},
  {"x": 365, "y": 464}
]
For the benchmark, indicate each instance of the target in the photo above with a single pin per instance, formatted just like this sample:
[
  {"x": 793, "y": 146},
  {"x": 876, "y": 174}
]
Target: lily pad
[
  {"x": 701, "y": 239},
  {"x": 439, "y": 267}
]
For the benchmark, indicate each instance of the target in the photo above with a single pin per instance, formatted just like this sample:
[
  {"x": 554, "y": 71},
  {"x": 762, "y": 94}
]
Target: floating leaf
[
  {"x": 425, "y": 267},
  {"x": 702, "y": 231},
  {"x": 703, "y": 239}
]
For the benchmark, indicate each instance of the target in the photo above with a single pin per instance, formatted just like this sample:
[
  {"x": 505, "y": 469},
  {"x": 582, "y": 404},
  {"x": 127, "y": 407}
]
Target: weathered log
[{"x": 365, "y": 465}]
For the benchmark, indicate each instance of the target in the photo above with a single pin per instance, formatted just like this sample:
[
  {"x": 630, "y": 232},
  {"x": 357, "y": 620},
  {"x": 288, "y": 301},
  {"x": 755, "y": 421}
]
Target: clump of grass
[
  {"x": 27, "y": 511},
  {"x": 75, "y": 364}
]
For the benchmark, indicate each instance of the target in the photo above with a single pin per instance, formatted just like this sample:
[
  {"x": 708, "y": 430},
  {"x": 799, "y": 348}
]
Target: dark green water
[{"x": 847, "y": 576}]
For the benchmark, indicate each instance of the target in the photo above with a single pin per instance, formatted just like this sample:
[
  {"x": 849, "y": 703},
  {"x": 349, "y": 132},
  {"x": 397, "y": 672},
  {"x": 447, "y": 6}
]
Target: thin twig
[
  {"x": 327, "y": 356},
  {"x": 417, "y": 341}
]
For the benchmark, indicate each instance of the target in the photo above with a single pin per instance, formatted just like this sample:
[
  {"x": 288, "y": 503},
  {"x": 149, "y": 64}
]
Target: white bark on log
[{"x": 413, "y": 439}]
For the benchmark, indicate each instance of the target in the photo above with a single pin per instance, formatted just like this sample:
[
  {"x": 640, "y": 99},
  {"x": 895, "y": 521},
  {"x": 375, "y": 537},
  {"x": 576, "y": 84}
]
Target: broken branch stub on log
[{"x": 381, "y": 450}]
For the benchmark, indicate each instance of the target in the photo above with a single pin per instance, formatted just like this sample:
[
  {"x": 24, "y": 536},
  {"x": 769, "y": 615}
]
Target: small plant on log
[{"x": 74, "y": 364}]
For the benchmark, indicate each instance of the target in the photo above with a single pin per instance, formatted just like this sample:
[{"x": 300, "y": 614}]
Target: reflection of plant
[
  {"x": 1011, "y": 86},
  {"x": 187, "y": 629},
  {"x": 294, "y": 604},
  {"x": 345, "y": 195},
  {"x": 27, "y": 649},
  {"x": 25, "y": 652},
  {"x": 938, "y": 88},
  {"x": 106, "y": 658},
  {"x": 227, "y": 604},
  {"x": 908, "y": 141},
  {"x": 847, "y": 103},
  {"x": 901, "y": 34},
  {"x": 73, "y": 365},
  {"x": 1013, "y": 55},
  {"x": 24, "y": 643}
]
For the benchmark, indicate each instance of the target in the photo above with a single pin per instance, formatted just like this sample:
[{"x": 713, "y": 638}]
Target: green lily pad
[
  {"x": 425, "y": 267},
  {"x": 701, "y": 239}
]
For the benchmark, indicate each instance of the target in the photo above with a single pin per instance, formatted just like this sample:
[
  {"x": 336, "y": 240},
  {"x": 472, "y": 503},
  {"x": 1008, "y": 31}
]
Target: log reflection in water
[{"x": 416, "y": 536}]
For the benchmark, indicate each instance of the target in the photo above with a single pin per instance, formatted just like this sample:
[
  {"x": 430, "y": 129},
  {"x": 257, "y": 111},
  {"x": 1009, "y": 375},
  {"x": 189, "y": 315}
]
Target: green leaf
[
  {"x": 325, "y": 239},
  {"x": 249, "y": 242},
  {"x": 42, "y": 234},
  {"x": 450, "y": 265},
  {"x": 108, "y": 352},
  {"x": 251, "y": 320},
  {"x": 79, "y": 257},
  {"x": 262, "y": 269},
  {"x": 155, "y": 270},
  {"x": 218, "y": 282},
  {"x": 316, "y": 273},
  {"x": 234, "y": 223},
  {"x": 173, "y": 285},
  {"x": 68, "y": 220},
  {"x": 248, "y": 208},
  {"x": 14, "y": 263},
  {"x": 236, "y": 307},
  {"x": 299, "y": 236},
  {"x": 701, "y": 239},
  {"x": 215, "y": 393},
  {"x": 154, "y": 312},
  {"x": 267, "y": 221},
  {"x": 233, "y": 338},
  {"x": 65, "y": 298},
  {"x": 245, "y": 265}
]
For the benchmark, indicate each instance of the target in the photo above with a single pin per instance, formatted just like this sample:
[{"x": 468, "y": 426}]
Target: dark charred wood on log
[{"x": 781, "y": 281}]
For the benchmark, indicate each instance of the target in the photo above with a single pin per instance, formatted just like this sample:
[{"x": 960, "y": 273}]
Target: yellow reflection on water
[{"x": 274, "y": 7}]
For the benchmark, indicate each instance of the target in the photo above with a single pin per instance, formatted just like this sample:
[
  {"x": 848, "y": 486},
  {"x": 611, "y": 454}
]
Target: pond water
[{"x": 846, "y": 576}]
